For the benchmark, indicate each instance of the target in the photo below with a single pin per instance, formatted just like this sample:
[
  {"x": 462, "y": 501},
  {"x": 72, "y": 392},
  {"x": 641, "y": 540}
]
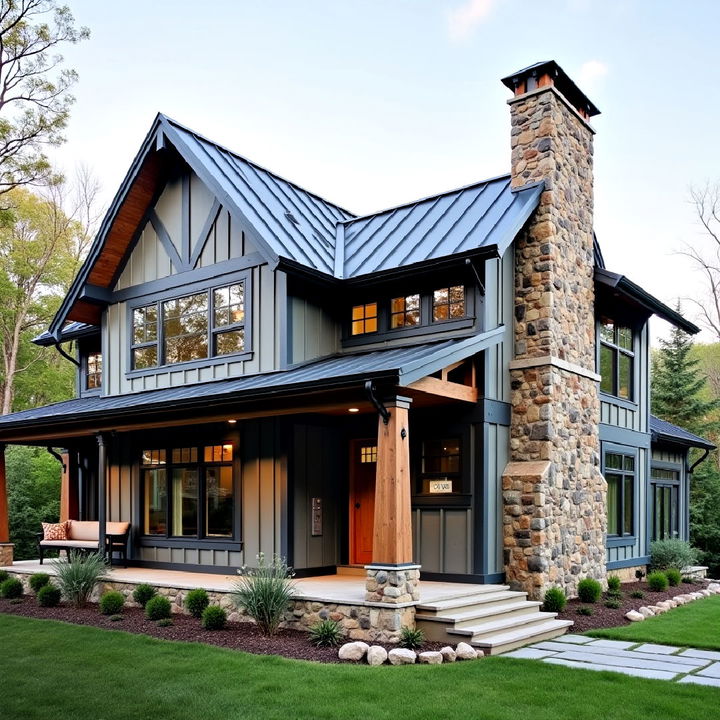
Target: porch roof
[{"x": 396, "y": 366}]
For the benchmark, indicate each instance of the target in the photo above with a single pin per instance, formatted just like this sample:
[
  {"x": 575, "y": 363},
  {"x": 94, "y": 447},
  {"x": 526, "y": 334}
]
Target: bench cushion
[
  {"x": 83, "y": 544},
  {"x": 90, "y": 529}
]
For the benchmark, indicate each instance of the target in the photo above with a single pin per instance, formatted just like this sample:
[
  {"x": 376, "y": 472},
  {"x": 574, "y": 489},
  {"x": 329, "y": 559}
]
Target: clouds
[
  {"x": 590, "y": 73},
  {"x": 465, "y": 18}
]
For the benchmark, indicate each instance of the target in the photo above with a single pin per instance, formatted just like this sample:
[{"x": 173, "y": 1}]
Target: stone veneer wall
[
  {"x": 6, "y": 554},
  {"x": 555, "y": 534}
]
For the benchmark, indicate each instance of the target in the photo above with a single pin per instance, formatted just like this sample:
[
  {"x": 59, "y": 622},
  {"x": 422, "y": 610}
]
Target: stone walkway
[{"x": 661, "y": 662}]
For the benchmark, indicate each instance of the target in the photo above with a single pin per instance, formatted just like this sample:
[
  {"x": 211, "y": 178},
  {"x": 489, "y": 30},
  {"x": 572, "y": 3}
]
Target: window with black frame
[
  {"x": 93, "y": 371},
  {"x": 188, "y": 492},
  {"x": 616, "y": 359},
  {"x": 620, "y": 478},
  {"x": 665, "y": 486},
  {"x": 440, "y": 466}
]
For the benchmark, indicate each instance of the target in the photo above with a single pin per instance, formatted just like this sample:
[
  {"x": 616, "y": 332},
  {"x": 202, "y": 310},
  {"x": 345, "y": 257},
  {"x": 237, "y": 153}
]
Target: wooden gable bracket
[{"x": 443, "y": 387}]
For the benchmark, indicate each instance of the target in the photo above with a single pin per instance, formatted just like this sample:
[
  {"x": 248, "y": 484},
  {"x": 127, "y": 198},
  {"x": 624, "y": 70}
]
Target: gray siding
[
  {"x": 498, "y": 310},
  {"x": 311, "y": 329},
  {"x": 443, "y": 539}
]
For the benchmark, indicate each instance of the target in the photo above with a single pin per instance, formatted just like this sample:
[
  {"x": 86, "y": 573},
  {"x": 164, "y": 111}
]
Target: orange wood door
[{"x": 362, "y": 500}]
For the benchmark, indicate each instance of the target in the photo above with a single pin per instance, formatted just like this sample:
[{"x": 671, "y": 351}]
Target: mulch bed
[
  {"x": 604, "y": 617},
  {"x": 236, "y": 636}
]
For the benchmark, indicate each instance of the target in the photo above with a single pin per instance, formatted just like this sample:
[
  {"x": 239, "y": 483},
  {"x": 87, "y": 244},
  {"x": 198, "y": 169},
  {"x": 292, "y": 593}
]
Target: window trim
[
  {"x": 617, "y": 351},
  {"x": 661, "y": 482},
  {"x": 616, "y": 540},
  {"x": 244, "y": 276}
]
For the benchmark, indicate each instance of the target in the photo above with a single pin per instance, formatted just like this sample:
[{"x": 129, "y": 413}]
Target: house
[{"x": 454, "y": 389}]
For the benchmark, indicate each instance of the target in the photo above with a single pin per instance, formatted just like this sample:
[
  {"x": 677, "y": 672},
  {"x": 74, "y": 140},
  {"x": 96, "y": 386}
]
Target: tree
[{"x": 34, "y": 87}]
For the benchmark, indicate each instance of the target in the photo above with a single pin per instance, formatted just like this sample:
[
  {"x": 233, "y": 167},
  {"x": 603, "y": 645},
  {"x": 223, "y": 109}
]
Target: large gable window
[
  {"x": 616, "y": 359},
  {"x": 193, "y": 327}
]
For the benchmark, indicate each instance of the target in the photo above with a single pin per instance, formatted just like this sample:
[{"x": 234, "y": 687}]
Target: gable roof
[{"x": 664, "y": 430}]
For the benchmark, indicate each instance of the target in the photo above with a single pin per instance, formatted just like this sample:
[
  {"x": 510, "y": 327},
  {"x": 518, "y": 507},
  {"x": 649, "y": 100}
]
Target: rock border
[
  {"x": 665, "y": 605},
  {"x": 376, "y": 655}
]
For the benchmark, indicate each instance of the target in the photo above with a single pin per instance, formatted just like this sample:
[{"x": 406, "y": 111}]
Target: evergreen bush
[
  {"x": 657, "y": 581},
  {"x": 49, "y": 596},
  {"x": 555, "y": 600},
  {"x": 214, "y": 618},
  {"x": 158, "y": 608},
  {"x": 38, "y": 580},
  {"x": 196, "y": 601},
  {"x": 589, "y": 590},
  {"x": 112, "y": 602},
  {"x": 11, "y": 588},
  {"x": 143, "y": 593}
]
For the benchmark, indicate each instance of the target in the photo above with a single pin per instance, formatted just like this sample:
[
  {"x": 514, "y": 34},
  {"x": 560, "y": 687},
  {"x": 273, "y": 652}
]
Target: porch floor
[{"x": 345, "y": 589}]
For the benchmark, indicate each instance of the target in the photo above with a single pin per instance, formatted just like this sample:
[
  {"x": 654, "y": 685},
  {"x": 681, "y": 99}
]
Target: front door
[{"x": 363, "y": 459}]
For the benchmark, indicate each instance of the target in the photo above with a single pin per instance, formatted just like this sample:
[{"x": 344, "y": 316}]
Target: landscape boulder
[
  {"x": 402, "y": 656},
  {"x": 463, "y": 651},
  {"x": 430, "y": 657},
  {"x": 353, "y": 651},
  {"x": 376, "y": 655},
  {"x": 634, "y": 616},
  {"x": 448, "y": 654}
]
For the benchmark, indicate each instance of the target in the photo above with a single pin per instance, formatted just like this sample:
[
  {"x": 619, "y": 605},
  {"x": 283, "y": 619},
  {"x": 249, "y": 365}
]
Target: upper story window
[
  {"x": 405, "y": 311},
  {"x": 192, "y": 327},
  {"x": 93, "y": 371},
  {"x": 364, "y": 318},
  {"x": 620, "y": 477},
  {"x": 616, "y": 359},
  {"x": 449, "y": 303}
]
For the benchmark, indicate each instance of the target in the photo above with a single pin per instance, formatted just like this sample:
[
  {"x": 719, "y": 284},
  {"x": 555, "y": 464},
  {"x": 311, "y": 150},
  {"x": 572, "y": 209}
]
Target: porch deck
[{"x": 341, "y": 588}]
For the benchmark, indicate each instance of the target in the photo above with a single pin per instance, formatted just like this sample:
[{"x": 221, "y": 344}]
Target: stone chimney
[{"x": 554, "y": 496}]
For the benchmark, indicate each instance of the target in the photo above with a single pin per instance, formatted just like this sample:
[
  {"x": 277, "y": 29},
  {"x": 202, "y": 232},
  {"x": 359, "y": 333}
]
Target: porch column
[
  {"x": 6, "y": 547},
  {"x": 392, "y": 577},
  {"x": 68, "y": 487},
  {"x": 102, "y": 489}
]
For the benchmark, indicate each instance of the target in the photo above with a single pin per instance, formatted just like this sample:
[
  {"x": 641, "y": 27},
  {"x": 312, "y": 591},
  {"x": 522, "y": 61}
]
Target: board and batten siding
[{"x": 312, "y": 332}]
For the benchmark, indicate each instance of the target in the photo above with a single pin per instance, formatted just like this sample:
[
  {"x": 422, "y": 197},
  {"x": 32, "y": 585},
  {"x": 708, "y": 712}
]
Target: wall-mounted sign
[
  {"x": 440, "y": 486},
  {"x": 316, "y": 516}
]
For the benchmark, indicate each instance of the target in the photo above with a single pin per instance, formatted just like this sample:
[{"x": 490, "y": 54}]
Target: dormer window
[
  {"x": 616, "y": 358},
  {"x": 449, "y": 303},
  {"x": 364, "y": 318},
  {"x": 405, "y": 311},
  {"x": 93, "y": 371}
]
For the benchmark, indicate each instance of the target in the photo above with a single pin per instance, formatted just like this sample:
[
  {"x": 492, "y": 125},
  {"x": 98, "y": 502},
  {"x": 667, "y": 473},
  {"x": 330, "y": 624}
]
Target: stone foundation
[
  {"x": 6, "y": 554},
  {"x": 392, "y": 585},
  {"x": 627, "y": 575}
]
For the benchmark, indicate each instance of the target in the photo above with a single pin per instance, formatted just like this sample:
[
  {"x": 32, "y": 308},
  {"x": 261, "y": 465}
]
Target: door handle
[{"x": 357, "y": 506}]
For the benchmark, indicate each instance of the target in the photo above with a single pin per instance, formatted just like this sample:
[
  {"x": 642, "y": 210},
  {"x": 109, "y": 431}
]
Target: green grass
[
  {"x": 86, "y": 673},
  {"x": 695, "y": 625}
]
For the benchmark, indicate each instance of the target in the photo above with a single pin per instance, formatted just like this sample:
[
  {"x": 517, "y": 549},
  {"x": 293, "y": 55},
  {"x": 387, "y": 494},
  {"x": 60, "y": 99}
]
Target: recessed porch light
[
  {"x": 231, "y": 422},
  {"x": 353, "y": 410}
]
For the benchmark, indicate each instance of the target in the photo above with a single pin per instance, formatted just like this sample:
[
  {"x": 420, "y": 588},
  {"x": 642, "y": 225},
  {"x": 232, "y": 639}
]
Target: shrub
[
  {"x": 157, "y": 608},
  {"x": 115, "y": 618},
  {"x": 555, "y": 600},
  {"x": 326, "y": 633},
  {"x": 78, "y": 576},
  {"x": 111, "y": 602},
  {"x": 165, "y": 622},
  {"x": 638, "y": 594},
  {"x": 589, "y": 590},
  {"x": 657, "y": 581},
  {"x": 410, "y": 638},
  {"x": 613, "y": 604},
  {"x": 39, "y": 580},
  {"x": 666, "y": 554},
  {"x": 4, "y": 575},
  {"x": 143, "y": 593},
  {"x": 688, "y": 580},
  {"x": 264, "y": 592},
  {"x": 196, "y": 601},
  {"x": 49, "y": 596},
  {"x": 613, "y": 583},
  {"x": 16, "y": 601},
  {"x": 11, "y": 588},
  {"x": 214, "y": 618},
  {"x": 585, "y": 610},
  {"x": 673, "y": 575},
  {"x": 616, "y": 594}
]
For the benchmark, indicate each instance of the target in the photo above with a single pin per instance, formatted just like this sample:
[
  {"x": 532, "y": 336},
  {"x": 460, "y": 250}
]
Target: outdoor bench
[{"x": 84, "y": 535}]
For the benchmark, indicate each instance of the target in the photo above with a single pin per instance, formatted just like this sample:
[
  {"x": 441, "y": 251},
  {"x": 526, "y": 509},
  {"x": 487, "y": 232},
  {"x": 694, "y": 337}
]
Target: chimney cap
[{"x": 558, "y": 77}]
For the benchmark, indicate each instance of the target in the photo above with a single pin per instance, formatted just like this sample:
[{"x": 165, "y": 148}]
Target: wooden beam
[
  {"x": 444, "y": 388},
  {"x": 4, "y": 521},
  {"x": 392, "y": 536}
]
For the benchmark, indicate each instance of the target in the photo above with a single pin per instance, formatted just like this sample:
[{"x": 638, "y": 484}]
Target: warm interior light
[
  {"x": 231, "y": 422},
  {"x": 353, "y": 409}
]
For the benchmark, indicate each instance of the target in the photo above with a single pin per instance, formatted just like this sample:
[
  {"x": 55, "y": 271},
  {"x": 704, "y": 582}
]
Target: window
[
  {"x": 93, "y": 371},
  {"x": 616, "y": 359},
  {"x": 368, "y": 454},
  {"x": 194, "y": 327},
  {"x": 440, "y": 466},
  {"x": 620, "y": 477},
  {"x": 192, "y": 496},
  {"x": 449, "y": 303},
  {"x": 405, "y": 311},
  {"x": 665, "y": 503},
  {"x": 364, "y": 318}
]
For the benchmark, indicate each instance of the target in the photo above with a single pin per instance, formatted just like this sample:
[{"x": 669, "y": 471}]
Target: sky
[{"x": 372, "y": 103}]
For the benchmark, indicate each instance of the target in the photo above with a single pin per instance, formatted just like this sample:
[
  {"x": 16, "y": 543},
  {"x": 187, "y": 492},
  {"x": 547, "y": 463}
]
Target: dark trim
[
  {"x": 620, "y": 541},
  {"x": 614, "y": 448},
  {"x": 95, "y": 294},
  {"x": 440, "y": 502},
  {"x": 624, "y": 436},
  {"x": 495, "y": 412},
  {"x": 324, "y": 570},
  {"x": 190, "y": 365},
  {"x": 167, "y": 243},
  {"x": 398, "y": 566},
  {"x": 620, "y": 402},
  {"x": 439, "y": 328},
  {"x": 185, "y": 221},
  {"x": 485, "y": 579},
  {"x": 628, "y": 562},
  {"x": 188, "y": 567},
  {"x": 189, "y": 543},
  {"x": 202, "y": 239}
]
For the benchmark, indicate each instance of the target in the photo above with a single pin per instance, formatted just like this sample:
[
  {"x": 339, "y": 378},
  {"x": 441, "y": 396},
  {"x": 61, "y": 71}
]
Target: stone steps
[{"x": 505, "y": 641}]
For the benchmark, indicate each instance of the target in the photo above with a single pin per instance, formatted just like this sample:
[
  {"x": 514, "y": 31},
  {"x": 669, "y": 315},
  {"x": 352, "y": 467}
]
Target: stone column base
[
  {"x": 392, "y": 584},
  {"x": 6, "y": 554}
]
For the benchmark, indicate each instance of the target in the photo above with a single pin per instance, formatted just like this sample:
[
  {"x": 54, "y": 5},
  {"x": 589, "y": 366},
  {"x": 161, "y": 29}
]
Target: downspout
[
  {"x": 382, "y": 410},
  {"x": 58, "y": 457},
  {"x": 697, "y": 462},
  {"x": 73, "y": 360}
]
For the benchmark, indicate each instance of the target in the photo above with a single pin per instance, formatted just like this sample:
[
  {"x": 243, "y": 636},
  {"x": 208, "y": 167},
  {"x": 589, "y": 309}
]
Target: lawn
[
  {"x": 694, "y": 625},
  {"x": 53, "y": 669}
]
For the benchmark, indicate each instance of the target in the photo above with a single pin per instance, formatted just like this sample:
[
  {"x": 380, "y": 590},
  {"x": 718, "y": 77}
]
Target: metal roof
[
  {"x": 482, "y": 215},
  {"x": 71, "y": 331},
  {"x": 403, "y": 365},
  {"x": 664, "y": 430}
]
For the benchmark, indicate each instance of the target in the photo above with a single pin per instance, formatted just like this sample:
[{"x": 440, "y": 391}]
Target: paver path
[{"x": 661, "y": 662}]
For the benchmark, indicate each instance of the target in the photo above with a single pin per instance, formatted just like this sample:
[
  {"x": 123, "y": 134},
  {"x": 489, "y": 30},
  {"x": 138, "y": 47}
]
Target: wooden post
[
  {"x": 102, "y": 489},
  {"x": 68, "y": 487},
  {"x": 6, "y": 547}
]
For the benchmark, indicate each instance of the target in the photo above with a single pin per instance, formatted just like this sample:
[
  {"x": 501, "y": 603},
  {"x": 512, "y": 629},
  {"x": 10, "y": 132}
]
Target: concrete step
[
  {"x": 475, "y": 601},
  {"x": 500, "y": 624},
  {"x": 463, "y": 618},
  {"x": 503, "y": 641}
]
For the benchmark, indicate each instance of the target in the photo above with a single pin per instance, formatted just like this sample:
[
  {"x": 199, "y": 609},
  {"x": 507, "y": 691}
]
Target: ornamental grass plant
[{"x": 78, "y": 576}]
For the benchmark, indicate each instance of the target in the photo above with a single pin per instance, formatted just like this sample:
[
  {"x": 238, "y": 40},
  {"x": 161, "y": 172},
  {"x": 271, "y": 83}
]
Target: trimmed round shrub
[
  {"x": 589, "y": 590},
  {"x": 555, "y": 600},
  {"x": 157, "y": 608},
  {"x": 214, "y": 618},
  {"x": 196, "y": 601},
  {"x": 111, "y": 602},
  {"x": 657, "y": 581},
  {"x": 674, "y": 576},
  {"x": 165, "y": 622},
  {"x": 39, "y": 580},
  {"x": 4, "y": 575},
  {"x": 584, "y": 610},
  {"x": 326, "y": 633},
  {"x": 11, "y": 588},
  {"x": 613, "y": 583},
  {"x": 49, "y": 596},
  {"x": 143, "y": 593}
]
